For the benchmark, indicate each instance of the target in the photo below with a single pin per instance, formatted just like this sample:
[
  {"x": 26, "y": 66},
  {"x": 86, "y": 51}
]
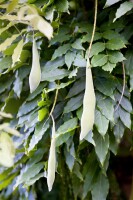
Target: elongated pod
[
  {"x": 89, "y": 101},
  {"x": 35, "y": 74},
  {"x": 52, "y": 160}
]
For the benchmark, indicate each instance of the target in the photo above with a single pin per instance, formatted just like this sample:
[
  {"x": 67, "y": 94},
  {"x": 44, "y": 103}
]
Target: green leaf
[
  {"x": 25, "y": 54},
  {"x": 66, "y": 127},
  {"x": 73, "y": 103},
  {"x": 73, "y": 73},
  {"x": 87, "y": 37},
  {"x": 53, "y": 75},
  {"x": 69, "y": 160},
  {"x": 40, "y": 130},
  {"x": 63, "y": 138},
  {"x": 77, "y": 87},
  {"x": 89, "y": 138},
  {"x": 129, "y": 68},
  {"x": 42, "y": 114},
  {"x": 102, "y": 146},
  {"x": 10, "y": 49},
  {"x": 7, "y": 181},
  {"x": 62, "y": 6},
  {"x": 100, "y": 188},
  {"x": 69, "y": 58},
  {"x": 115, "y": 44},
  {"x": 17, "y": 52},
  {"x": 97, "y": 48},
  {"x": 36, "y": 92},
  {"x": 110, "y": 34},
  {"x": 106, "y": 107},
  {"x": 50, "y": 71},
  {"x": 18, "y": 83},
  {"x": 28, "y": 173},
  {"x": 12, "y": 5},
  {"x": 116, "y": 56},
  {"x": 125, "y": 117},
  {"x": 35, "y": 157},
  {"x": 92, "y": 167},
  {"x": 108, "y": 67},
  {"x": 4, "y": 173},
  {"x": 123, "y": 9},
  {"x": 113, "y": 143},
  {"x": 119, "y": 129},
  {"x": 105, "y": 85},
  {"x": 110, "y": 2},
  {"x": 33, "y": 180},
  {"x": 5, "y": 63},
  {"x": 99, "y": 60},
  {"x": 126, "y": 91},
  {"x": 62, "y": 36},
  {"x": 77, "y": 172},
  {"x": 27, "y": 107},
  {"x": 101, "y": 123},
  {"x": 77, "y": 44},
  {"x": 8, "y": 42},
  {"x": 61, "y": 51},
  {"x": 53, "y": 64},
  {"x": 125, "y": 102},
  {"x": 79, "y": 61},
  {"x": 54, "y": 86}
]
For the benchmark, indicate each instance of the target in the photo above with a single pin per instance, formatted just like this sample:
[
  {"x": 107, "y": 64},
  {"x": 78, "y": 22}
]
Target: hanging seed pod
[
  {"x": 52, "y": 159},
  {"x": 89, "y": 101},
  {"x": 35, "y": 74}
]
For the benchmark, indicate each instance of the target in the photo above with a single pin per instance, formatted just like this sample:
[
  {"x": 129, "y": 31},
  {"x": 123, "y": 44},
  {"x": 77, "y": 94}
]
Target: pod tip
[{"x": 81, "y": 137}]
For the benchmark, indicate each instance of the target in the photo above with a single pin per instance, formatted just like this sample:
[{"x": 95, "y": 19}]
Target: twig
[
  {"x": 52, "y": 109},
  {"x": 94, "y": 27},
  {"x": 55, "y": 100},
  {"x": 123, "y": 89}
]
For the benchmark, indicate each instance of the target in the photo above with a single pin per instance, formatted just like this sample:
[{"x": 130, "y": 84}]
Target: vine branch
[
  {"x": 55, "y": 100},
  {"x": 94, "y": 28},
  {"x": 123, "y": 89}
]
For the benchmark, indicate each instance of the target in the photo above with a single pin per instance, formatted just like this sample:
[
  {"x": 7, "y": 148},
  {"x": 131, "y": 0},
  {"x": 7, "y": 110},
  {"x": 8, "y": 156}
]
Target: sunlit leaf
[
  {"x": 12, "y": 5},
  {"x": 110, "y": 2},
  {"x": 17, "y": 52},
  {"x": 7, "y": 150},
  {"x": 8, "y": 42},
  {"x": 123, "y": 9}
]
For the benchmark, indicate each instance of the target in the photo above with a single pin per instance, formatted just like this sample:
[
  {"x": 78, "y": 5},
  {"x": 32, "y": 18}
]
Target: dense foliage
[{"x": 82, "y": 167}]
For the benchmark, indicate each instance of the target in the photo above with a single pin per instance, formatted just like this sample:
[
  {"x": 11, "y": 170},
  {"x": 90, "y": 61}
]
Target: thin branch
[
  {"x": 123, "y": 88},
  {"x": 18, "y": 31},
  {"x": 55, "y": 100},
  {"x": 94, "y": 28},
  {"x": 52, "y": 109}
]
